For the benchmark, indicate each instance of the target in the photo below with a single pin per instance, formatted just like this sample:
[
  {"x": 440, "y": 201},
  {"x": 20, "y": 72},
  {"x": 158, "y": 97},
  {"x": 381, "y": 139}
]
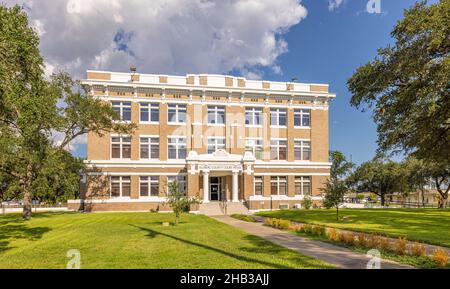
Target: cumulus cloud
[
  {"x": 163, "y": 36},
  {"x": 334, "y": 4}
]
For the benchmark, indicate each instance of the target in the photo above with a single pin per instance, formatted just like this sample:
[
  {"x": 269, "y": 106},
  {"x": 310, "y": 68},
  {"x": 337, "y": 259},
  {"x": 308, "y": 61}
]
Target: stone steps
[{"x": 222, "y": 208}]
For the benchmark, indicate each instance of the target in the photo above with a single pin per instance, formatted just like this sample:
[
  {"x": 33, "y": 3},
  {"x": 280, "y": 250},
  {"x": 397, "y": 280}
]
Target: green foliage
[
  {"x": 335, "y": 188},
  {"x": 307, "y": 202},
  {"x": 178, "y": 201},
  {"x": 242, "y": 217},
  {"x": 33, "y": 109},
  {"x": 379, "y": 176}
]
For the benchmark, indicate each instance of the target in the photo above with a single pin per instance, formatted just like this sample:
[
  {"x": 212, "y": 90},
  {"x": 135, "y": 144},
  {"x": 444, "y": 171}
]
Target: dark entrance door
[{"x": 215, "y": 189}]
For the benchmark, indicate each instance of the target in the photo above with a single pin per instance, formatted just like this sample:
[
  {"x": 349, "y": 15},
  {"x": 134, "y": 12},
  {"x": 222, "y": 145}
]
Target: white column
[
  {"x": 234, "y": 196},
  {"x": 205, "y": 186}
]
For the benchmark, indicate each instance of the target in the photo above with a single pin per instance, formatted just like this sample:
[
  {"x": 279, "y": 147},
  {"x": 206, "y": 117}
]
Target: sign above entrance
[{"x": 220, "y": 167}]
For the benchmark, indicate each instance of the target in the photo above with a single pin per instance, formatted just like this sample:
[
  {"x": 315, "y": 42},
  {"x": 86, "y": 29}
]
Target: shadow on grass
[
  {"x": 265, "y": 245},
  {"x": 19, "y": 231}
]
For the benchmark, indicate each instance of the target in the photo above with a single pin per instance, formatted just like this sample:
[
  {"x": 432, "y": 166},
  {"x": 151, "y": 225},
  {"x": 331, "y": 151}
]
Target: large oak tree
[
  {"x": 34, "y": 108},
  {"x": 407, "y": 85}
]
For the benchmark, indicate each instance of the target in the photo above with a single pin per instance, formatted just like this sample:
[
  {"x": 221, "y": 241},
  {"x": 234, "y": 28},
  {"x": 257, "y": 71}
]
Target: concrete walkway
[{"x": 338, "y": 256}]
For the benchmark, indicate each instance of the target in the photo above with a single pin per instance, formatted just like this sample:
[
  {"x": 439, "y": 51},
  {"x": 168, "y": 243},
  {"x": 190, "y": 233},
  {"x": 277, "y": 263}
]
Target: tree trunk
[
  {"x": 337, "y": 213},
  {"x": 27, "y": 197},
  {"x": 382, "y": 199},
  {"x": 423, "y": 198}
]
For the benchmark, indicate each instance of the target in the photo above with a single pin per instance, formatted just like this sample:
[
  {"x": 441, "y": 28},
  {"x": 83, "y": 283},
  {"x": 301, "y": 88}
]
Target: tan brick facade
[{"x": 293, "y": 158}]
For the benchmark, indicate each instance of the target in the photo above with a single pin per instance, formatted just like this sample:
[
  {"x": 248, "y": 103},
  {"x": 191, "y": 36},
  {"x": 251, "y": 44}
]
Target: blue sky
[{"x": 324, "y": 47}]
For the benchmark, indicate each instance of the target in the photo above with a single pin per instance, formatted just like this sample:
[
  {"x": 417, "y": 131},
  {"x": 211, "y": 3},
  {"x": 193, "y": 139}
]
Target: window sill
[
  {"x": 302, "y": 127},
  {"x": 176, "y": 123},
  {"x": 149, "y": 122},
  {"x": 278, "y": 126},
  {"x": 216, "y": 124},
  {"x": 253, "y": 126}
]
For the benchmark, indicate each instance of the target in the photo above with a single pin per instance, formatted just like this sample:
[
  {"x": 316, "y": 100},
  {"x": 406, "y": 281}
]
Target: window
[
  {"x": 278, "y": 149},
  {"x": 278, "y": 185},
  {"x": 303, "y": 186},
  {"x": 177, "y": 113},
  {"x": 253, "y": 116},
  {"x": 121, "y": 147},
  {"x": 149, "y": 186},
  {"x": 278, "y": 117},
  {"x": 181, "y": 180},
  {"x": 149, "y": 148},
  {"x": 149, "y": 112},
  {"x": 177, "y": 148},
  {"x": 258, "y": 186},
  {"x": 120, "y": 187},
  {"x": 302, "y": 117},
  {"x": 123, "y": 109},
  {"x": 216, "y": 115},
  {"x": 302, "y": 150},
  {"x": 215, "y": 144},
  {"x": 255, "y": 146}
]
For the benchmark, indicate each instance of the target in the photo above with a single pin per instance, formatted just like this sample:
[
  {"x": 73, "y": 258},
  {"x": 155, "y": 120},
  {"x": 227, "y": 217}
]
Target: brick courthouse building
[{"x": 228, "y": 140}]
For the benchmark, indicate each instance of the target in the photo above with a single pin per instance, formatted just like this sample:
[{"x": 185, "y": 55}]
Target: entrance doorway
[{"x": 214, "y": 189}]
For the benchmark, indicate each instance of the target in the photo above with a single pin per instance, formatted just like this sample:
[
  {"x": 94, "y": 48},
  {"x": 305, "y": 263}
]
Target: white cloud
[
  {"x": 163, "y": 36},
  {"x": 334, "y": 4}
]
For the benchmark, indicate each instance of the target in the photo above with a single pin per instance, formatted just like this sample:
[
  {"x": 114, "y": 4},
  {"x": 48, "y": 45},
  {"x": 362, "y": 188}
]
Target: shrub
[
  {"x": 400, "y": 246},
  {"x": 384, "y": 244},
  {"x": 307, "y": 203},
  {"x": 440, "y": 257},
  {"x": 283, "y": 224},
  {"x": 318, "y": 231},
  {"x": 307, "y": 229},
  {"x": 418, "y": 249},
  {"x": 373, "y": 241},
  {"x": 296, "y": 227},
  {"x": 347, "y": 238},
  {"x": 268, "y": 222},
  {"x": 243, "y": 217},
  {"x": 363, "y": 241},
  {"x": 333, "y": 235}
]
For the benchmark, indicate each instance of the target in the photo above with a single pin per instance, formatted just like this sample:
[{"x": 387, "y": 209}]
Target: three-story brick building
[{"x": 225, "y": 139}]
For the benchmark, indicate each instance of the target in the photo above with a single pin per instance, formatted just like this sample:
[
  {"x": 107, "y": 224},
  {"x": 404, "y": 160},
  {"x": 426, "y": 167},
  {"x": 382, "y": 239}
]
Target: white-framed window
[
  {"x": 176, "y": 147},
  {"x": 253, "y": 116},
  {"x": 302, "y": 117},
  {"x": 215, "y": 143},
  {"x": 123, "y": 109},
  {"x": 181, "y": 180},
  {"x": 302, "y": 150},
  {"x": 303, "y": 186},
  {"x": 258, "y": 186},
  {"x": 216, "y": 114},
  {"x": 176, "y": 113},
  {"x": 278, "y": 150},
  {"x": 278, "y": 117},
  {"x": 149, "y": 148},
  {"x": 149, "y": 112},
  {"x": 120, "y": 186},
  {"x": 255, "y": 146},
  {"x": 278, "y": 185},
  {"x": 149, "y": 186},
  {"x": 120, "y": 147}
]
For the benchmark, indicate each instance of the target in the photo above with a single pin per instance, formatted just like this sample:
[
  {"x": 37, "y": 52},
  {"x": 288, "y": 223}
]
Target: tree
[
  {"x": 335, "y": 188},
  {"x": 178, "y": 201},
  {"x": 408, "y": 85},
  {"x": 418, "y": 176},
  {"x": 379, "y": 176},
  {"x": 33, "y": 108}
]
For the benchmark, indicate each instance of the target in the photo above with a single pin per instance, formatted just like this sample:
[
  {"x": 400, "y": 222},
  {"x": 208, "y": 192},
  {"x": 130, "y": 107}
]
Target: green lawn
[
  {"x": 427, "y": 225},
  {"x": 137, "y": 240}
]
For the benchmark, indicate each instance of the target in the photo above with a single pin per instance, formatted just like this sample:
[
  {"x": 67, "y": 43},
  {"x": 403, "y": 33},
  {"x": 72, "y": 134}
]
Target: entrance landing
[{"x": 222, "y": 208}]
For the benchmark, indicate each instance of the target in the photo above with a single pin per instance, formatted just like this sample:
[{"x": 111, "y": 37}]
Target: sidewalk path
[{"x": 338, "y": 256}]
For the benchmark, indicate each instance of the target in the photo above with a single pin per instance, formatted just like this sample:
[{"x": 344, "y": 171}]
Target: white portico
[{"x": 214, "y": 167}]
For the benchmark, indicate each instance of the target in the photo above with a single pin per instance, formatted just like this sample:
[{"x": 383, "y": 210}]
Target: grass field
[
  {"x": 426, "y": 225},
  {"x": 137, "y": 240}
]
